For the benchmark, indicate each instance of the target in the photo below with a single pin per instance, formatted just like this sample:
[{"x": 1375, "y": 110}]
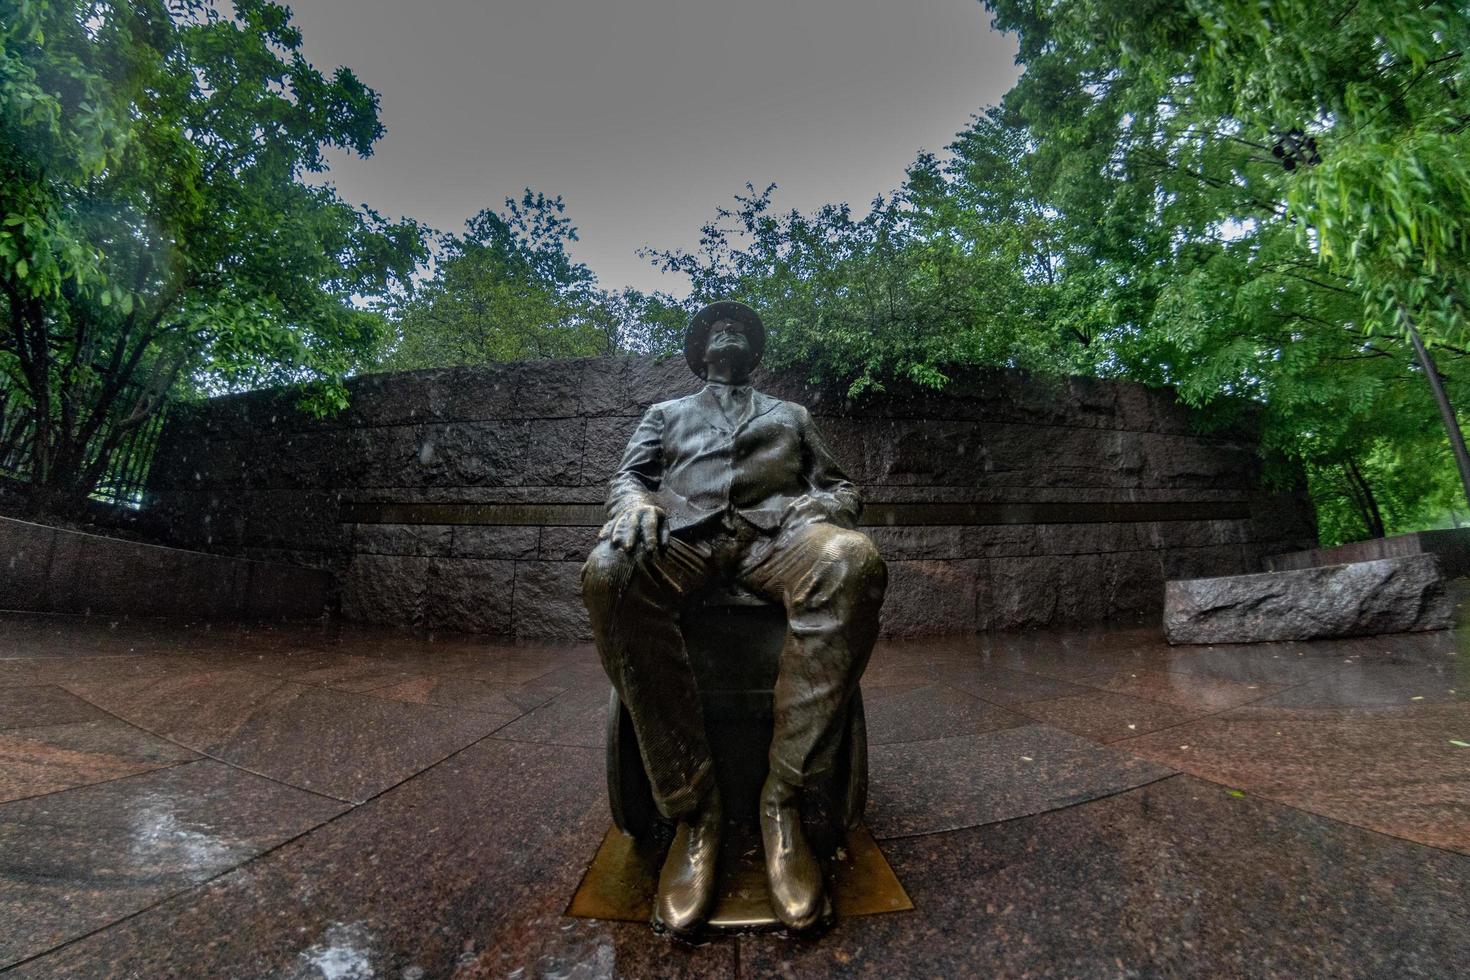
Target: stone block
[
  {"x": 90, "y": 574},
  {"x": 474, "y": 453},
  {"x": 308, "y": 520},
  {"x": 1187, "y": 534},
  {"x": 477, "y": 393},
  {"x": 494, "y": 541},
  {"x": 25, "y": 562},
  {"x": 382, "y": 456},
  {"x": 196, "y": 519},
  {"x": 647, "y": 381},
  {"x": 468, "y": 595},
  {"x": 916, "y": 543},
  {"x": 1092, "y": 538},
  {"x": 1232, "y": 559},
  {"x": 555, "y": 452},
  {"x": 1134, "y": 585},
  {"x": 206, "y": 586},
  {"x": 606, "y": 439},
  {"x": 567, "y": 543},
  {"x": 386, "y": 589},
  {"x": 947, "y": 542},
  {"x": 430, "y": 540},
  {"x": 298, "y": 460},
  {"x": 1190, "y": 461},
  {"x": 1025, "y": 592},
  {"x": 276, "y": 591},
  {"x": 1390, "y": 595},
  {"x": 926, "y": 452},
  {"x": 559, "y": 389},
  {"x": 548, "y": 601},
  {"x": 847, "y": 440},
  {"x": 395, "y": 398},
  {"x": 928, "y": 597}
]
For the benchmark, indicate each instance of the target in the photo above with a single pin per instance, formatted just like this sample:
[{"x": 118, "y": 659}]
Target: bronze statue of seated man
[{"x": 731, "y": 485}]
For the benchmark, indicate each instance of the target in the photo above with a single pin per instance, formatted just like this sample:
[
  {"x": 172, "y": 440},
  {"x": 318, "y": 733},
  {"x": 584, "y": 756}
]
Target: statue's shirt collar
[{"x": 734, "y": 401}]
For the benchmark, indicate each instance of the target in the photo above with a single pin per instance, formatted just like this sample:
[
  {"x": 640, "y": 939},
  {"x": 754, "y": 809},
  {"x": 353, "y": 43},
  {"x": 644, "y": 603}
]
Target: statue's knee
[
  {"x": 606, "y": 571},
  {"x": 863, "y": 569}
]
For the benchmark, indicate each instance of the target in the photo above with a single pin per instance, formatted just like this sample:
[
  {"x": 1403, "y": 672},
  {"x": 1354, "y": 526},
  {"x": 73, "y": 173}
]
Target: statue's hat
[{"x": 696, "y": 336}]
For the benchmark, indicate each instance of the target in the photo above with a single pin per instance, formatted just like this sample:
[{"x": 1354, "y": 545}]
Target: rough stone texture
[
  {"x": 932, "y": 597},
  {"x": 26, "y": 549},
  {"x": 388, "y": 589},
  {"x": 402, "y": 539},
  {"x": 57, "y": 570},
  {"x": 548, "y": 600},
  {"x": 251, "y": 476},
  {"x": 567, "y": 543},
  {"x": 492, "y": 541},
  {"x": 470, "y": 596},
  {"x": 1391, "y": 595}
]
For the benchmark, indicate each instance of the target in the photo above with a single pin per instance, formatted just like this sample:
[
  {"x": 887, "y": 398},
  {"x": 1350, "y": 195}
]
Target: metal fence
[{"x": 126, "y": 473}]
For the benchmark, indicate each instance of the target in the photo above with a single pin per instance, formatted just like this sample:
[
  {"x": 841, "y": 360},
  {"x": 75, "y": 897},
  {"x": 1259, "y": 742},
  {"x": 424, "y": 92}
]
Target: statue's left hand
[
  {"x": 804, "y": 510},
  {"x": 641, "y": 525}
]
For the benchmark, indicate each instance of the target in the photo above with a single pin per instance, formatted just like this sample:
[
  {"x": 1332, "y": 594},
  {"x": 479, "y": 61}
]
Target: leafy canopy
[
  {"x": 509, "y": 290},
  {"x": 162, "y": 229}
]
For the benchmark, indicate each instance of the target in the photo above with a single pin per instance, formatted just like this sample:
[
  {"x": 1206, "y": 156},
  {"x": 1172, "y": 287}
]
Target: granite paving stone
[
  {"x": 1262, "y": 663},
  {"x": 1205, "y": 694},
  {"x": 1002, "y": 686},
  {"x": 47, "y": 758},
  {"x": 464, "y": 870},
  {"x": 344, "y": 745},
  {"x": 575, "y": 717},
  {"x": 946, "y": 784},
  {"x": 1107, "y": 717},
  {"x": 1319, "y": 828},
  {"x": 34, "y": 671},
  {"x": 1176, "y": 879},
  {"x": 506, "y": 701},
  {"x": 357, "y": 674},
  {"x": 46, "y": 704},
  {"x": 1377, "y": 685},
  {"x": 930, "y": 712},
  {"x": 1403, "y": 776},
  {"x": 72, "y": 862}
]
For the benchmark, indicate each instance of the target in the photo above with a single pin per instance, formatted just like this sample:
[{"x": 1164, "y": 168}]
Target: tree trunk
[
  {"x": 1446, "y": 412},
  {"x": 1366, "y": 501}
]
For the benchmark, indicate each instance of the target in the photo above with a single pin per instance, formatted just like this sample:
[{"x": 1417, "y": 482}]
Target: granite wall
[
  {"x": 466, "y": 499},
  {"x": 57, "y": 570}
]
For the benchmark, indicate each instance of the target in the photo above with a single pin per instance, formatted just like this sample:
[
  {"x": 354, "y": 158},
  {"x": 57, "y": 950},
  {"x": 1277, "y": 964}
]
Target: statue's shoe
[
  {"x": 793, "y": 872},
  {"x": 690, "y": 875}
]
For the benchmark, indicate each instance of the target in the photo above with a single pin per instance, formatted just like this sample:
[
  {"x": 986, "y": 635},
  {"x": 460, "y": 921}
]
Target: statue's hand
[
  {"x": 804, "y": 510},
  {"x": 643, "y": 524}
]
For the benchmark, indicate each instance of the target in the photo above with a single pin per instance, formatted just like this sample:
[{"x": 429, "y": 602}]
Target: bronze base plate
[{"x": 624, "y": 874}]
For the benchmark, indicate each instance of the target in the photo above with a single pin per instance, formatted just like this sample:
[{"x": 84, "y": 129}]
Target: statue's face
[{"x": 727, "y": 342}]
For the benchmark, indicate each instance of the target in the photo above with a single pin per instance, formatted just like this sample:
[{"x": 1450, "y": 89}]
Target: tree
[
  {"x": 162, "y": 228},
  {"x": 508, "y": 289},
  {"x": 917, "y": 285},
  {"x": 1264, "y": 196}
]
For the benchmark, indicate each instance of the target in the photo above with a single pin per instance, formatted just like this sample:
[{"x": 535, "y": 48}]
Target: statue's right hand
[{"x": 640, "y": 523}]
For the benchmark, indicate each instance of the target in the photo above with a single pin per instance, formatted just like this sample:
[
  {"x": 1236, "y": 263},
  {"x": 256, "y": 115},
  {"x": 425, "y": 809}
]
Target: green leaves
[
  {"x": 158, "y": 230},
  {"x": 509, "y": 290},
  {"x": 1158, "y": 139}
]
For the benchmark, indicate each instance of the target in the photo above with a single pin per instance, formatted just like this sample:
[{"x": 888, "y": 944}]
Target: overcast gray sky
[{"x": 646, "y": 115}]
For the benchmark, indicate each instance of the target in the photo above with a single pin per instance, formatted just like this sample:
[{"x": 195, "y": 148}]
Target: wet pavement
[{"x": 196, "y": 801}]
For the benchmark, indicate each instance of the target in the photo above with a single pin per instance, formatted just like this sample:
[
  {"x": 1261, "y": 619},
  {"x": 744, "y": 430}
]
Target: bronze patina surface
[
  {"x": 730, "y": 490},
  {"x": 620, "y": 883}
]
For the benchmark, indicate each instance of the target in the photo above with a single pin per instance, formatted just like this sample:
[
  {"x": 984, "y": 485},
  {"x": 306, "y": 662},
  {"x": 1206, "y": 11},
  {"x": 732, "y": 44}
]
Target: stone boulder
[{"x": 1391, "y": 595}]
